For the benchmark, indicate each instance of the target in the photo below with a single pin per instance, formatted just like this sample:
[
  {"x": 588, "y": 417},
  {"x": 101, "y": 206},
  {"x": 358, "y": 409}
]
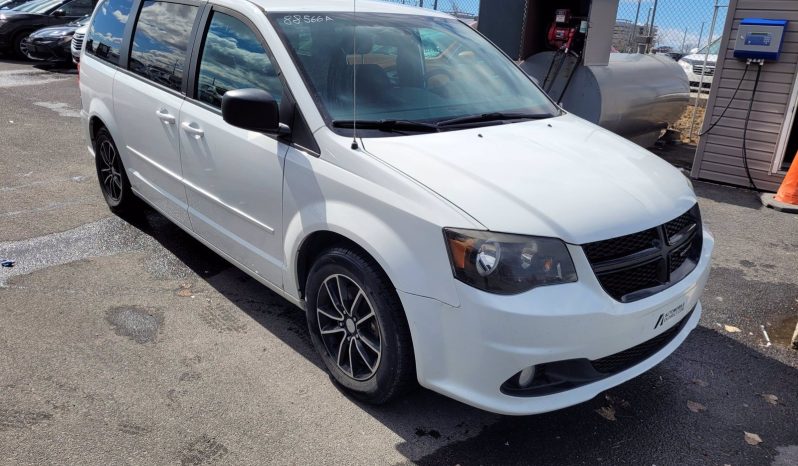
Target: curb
[{"x": 768, "y": 200}]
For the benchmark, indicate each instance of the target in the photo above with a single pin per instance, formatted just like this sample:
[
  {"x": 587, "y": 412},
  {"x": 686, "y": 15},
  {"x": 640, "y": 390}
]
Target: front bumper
[
  {"x": 468, "y": 352},
  {"x": 51, "y": 51}
]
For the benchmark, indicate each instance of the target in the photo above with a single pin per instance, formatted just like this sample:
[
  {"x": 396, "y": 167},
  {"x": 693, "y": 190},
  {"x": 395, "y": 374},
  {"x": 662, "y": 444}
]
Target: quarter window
[
  {"x": 77, "y": 8},
  {"x": 233, "y": 58},
  {"x": 160, "y": 43},
  {"x": 105, "y": 34}
]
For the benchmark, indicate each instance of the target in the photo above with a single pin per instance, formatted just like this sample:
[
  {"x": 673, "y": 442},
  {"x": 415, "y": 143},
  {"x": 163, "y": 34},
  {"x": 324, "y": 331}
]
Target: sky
[{"x": 675, "y": 17}]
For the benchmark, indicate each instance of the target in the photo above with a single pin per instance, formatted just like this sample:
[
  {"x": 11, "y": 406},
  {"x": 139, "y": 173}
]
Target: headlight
[{"x": 508, "y": 264}]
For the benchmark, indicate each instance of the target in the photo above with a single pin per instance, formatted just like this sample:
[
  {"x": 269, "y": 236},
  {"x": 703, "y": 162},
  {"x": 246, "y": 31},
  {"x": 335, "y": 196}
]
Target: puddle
[
  {"x": 139, "y": 324},
  {"x": 174, "y": 254},
  {"x": 102, "y": 238},
  {"x": 15, "y": 78},
  {"x": 781, "y": 332},
  {"x": 61, "y": 108}
]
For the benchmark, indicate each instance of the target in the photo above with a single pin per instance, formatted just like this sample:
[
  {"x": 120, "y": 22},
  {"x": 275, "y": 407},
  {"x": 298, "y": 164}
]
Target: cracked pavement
[{"x": 126, "y": 341}]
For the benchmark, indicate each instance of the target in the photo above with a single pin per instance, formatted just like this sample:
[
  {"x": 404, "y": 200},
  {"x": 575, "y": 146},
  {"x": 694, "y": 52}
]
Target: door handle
[
  {"x": 193, "y": 130},
  {"x": 165, "y": 116}
]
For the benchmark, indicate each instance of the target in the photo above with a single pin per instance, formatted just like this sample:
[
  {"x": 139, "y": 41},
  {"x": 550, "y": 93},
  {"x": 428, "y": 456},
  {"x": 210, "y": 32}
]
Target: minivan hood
[{"x": 561, "y": 177}]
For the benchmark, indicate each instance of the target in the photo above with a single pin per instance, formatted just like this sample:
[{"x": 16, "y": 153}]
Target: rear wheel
[
  {"x": 111, "y": 174},
  {"x": 358, "y": 326}
]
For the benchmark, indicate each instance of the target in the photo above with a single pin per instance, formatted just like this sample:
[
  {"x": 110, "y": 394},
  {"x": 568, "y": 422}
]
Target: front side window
[
  {"x": 409, "y": 68},
  {"x": 77, "y": 8},
  {"x": 160, "y": 42},
  {"x": 233, "y": 58},
  {"x": 104, "y": 38}
]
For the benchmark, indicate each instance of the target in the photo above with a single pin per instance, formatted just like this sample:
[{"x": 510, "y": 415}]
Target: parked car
[
  {"x": 76, "y": 44},
  {"x": 16, "y": 24},
  {"x": 9, "y": 4},
  {"x": 53, "y": 43},
  {"x": 693, "y": 64},
  {"x": 436, "y": 215}
]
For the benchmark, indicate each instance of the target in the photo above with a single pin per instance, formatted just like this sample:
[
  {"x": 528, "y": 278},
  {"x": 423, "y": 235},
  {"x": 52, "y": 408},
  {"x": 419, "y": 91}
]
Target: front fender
[
  {"x": 398, "y": 223},
  {"x": 416, "y": 267}
]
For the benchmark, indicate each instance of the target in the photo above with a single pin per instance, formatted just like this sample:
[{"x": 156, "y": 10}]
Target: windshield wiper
[
  {"x": 487, "y": 117},
  {"x": 388, "y": 125}
]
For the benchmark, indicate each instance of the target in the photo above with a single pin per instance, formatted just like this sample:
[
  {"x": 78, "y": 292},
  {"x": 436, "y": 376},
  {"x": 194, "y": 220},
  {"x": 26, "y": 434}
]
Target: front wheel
[{"x": 358, "y": 326}]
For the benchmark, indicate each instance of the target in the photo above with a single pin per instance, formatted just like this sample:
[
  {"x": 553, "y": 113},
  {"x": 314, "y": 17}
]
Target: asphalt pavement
[{"x": 126, "y": 341}]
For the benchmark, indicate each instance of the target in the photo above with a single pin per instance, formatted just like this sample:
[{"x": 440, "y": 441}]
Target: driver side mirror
[
  {"x": 59, "y": 12},
  {"x": 253, "y": 110}
]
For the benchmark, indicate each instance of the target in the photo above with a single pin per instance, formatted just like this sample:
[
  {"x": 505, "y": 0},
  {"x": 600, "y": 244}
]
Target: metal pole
[
  {"x": 435, "y": 5},
  {"x": 651, "y": 27},
  {"x": 701, "y": 35},
  {"x": 642, "y": 48},
  {"x": 704, "y": 69},
  {"x": 684, "y": 40},
  {"x": 633, "y": 32}
]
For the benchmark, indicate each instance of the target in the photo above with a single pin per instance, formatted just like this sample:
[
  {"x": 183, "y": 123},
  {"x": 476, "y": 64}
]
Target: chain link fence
[
  {"x": 675, "y": 27},
  {"x": 466, "y": 9}
]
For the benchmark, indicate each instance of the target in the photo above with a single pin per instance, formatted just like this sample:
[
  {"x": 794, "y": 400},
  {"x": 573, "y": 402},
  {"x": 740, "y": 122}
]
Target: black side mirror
[
  {"x": 254, "y": 110},
  {"x": 59, "y": 12}
]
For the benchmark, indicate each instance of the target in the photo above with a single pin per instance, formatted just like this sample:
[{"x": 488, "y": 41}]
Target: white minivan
[{"x": 393, "y": 174}]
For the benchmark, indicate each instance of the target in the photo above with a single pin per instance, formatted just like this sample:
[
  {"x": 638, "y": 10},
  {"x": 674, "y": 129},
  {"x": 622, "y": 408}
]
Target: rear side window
[
  {"x": 77, "y": 8},
  {"x": 160, "y": 43},
  {"x": 233, "y": 58},
  {"x": 104, "y": 38}
]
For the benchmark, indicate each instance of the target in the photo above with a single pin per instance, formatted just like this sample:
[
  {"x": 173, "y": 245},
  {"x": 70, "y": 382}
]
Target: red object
[
  {"x": 561, "y": 36},
  {"x": 788, "y": 192},
  {"x": 561, "y": 33}
]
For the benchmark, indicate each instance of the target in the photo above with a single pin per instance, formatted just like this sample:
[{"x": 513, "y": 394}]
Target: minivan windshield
[
  {"x": 410, "y": 69},
  {"x": 39, "y": 6}
]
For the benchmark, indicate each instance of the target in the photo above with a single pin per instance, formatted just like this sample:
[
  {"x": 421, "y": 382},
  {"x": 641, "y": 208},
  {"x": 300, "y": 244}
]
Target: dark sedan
[
  {"x": 53, "y": 43},
  {"x": 16, "y": 24}
]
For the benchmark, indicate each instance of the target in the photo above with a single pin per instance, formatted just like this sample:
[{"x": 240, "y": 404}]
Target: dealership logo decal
[{"x": 666, "y": 316}]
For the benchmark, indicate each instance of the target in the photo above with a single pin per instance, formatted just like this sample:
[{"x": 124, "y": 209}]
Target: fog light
[{"x": 526, "y": 376}]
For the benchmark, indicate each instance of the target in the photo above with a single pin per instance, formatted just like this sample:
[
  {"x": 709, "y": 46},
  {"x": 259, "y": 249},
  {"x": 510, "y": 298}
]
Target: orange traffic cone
[{"x": 786, "y": 200}]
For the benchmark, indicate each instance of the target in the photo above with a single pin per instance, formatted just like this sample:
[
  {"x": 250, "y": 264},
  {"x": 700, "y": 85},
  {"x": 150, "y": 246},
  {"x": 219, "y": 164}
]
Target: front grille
[
  {"x": 635, "y": 266},
  {"x": 698, "y": 68},
  {"x": 618, "y": 362},
  {"x": 77, "y": 41}
]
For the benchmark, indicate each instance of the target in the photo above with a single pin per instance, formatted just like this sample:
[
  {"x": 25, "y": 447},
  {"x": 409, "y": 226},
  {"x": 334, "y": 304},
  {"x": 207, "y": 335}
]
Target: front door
[
  {"x": 147, "y": 102},
  {"x": 233, "y": 177}
]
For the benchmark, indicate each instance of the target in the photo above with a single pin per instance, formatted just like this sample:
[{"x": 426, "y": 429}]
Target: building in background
[{"x": 626, "y": 36}]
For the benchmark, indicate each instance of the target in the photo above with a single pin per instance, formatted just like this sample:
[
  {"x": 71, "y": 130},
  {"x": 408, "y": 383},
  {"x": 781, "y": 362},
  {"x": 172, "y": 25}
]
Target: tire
[
  {"x": 375, "y": 377},
  {"x": 16, "y": 44},
  {"x": 111, "y": 174}
]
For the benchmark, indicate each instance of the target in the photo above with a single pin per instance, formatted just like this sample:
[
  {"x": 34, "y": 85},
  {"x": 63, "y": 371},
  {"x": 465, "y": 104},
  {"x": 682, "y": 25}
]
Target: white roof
[{"x": 365, "y": 6}]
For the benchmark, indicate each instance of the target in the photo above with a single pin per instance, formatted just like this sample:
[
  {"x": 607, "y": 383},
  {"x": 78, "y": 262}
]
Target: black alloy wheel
[
  {"x": 19, "y": 47},
  {"x": 358, "y": 326},
  {"x": 111, "y": 173}
]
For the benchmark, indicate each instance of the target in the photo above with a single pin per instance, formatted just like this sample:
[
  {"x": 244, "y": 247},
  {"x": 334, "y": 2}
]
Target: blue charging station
[{"x": 760, "y": 39}]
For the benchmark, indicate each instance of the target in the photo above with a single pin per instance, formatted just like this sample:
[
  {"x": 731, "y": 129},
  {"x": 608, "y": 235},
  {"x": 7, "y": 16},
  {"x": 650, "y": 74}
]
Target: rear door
[
  {"x": 147, "y": 100},
  {"x": 233, "y": 176}
]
